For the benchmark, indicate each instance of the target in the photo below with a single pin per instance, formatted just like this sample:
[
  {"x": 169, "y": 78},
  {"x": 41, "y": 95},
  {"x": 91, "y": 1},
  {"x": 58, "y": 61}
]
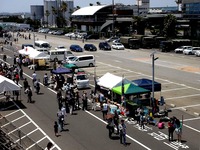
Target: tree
[
  {"x": 63, "y": 8},
  {"x": 91, "y": 4},
  {"x": 169, "y": 29},
  {"x": 139, "y": 24},
  {"x": 54, "y": 13},
  {"x": 47, "y": 13}
]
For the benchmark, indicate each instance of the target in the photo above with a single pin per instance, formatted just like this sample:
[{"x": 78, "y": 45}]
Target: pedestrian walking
[
  {"x": 25, "y": 83},
  {"x": 60, "y": 120},
  {"x": 34, "y": 76},
  {"x": 29, "y": 94},
  {"x": 56, "y": 128},
  {"x": 110, "y": 127},
  {"x": 116, "y": 121},
  {"x": 84, "y": 100},
  {"x": 178, "y": 129},
  {"x": 105, "y": 110},
  {"x": 170, "y": 130},
  {"x": 122, "y": 129}
]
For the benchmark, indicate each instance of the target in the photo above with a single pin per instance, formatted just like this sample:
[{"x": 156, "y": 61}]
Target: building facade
[
  {"x": 37, "y": 12},
  {"x": 52, "y": 6}
]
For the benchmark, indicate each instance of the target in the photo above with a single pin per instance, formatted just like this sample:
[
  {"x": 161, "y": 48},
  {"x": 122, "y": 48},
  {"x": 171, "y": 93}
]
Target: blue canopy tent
[
  {"x": 147, "y": 84},
  {"x": 61, "y": 70}
]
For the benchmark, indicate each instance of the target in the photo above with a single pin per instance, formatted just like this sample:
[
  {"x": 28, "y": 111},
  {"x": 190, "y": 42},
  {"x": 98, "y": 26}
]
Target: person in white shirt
[
  {"x": 105, "y": 110},
  {"x": 122, "y": 129},
  {"x": 34, "y": 76}
]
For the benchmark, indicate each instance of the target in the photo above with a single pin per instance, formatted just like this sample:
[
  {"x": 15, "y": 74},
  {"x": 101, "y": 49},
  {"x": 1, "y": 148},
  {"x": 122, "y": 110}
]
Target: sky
[{"x": 12, "y": 6}]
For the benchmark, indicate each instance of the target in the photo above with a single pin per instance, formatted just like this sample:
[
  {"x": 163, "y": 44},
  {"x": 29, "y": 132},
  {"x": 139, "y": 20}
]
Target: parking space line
[
  {"x": 39, "y": 127},
  {"x": 12, "y": 121},
  {"x": 36, "y": 143},
  {"x": 190, "y": 119},
  {"x": 11, "y": 113},
  {"x": 19, "y": 127},
  {"x": 26, "y": 135},
  {"x": 188, "y": 106},
  {"x": 179, "y": 97},
  {"x": 191, "y": 128},
  {"x": 175, "y": 89}
]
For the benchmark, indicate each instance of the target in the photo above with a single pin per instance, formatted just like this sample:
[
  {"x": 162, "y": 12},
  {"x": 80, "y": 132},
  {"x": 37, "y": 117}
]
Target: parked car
[
  {"x": 104, "y": 46},
  {"x": 197, "y": 53},
  {"x": 181, "y": 49},
  {"x": 81, "y": 80},
  {"x": 69, "y": 34},
  {"x": 69, "y": 58},
  {"x": 59, "y": 32},
  {"x": 76, "y": 48},
  {"x": 90, "y": 47},
  {"x": 60, "y": 47},
  {"x": 116, "y": 41},
  {"x": 191, "y": 51},
  {"x": 111, "y": 39},
  {"x": 92, "y": 36},
  {"x": 118, "y": 46}
]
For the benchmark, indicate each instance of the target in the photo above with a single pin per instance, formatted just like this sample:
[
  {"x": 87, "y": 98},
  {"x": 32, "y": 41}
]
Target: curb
[{"x": 197, "y": 114}]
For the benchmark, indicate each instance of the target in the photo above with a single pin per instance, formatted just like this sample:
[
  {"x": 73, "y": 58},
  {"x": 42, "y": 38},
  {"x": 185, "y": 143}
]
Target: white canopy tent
[
  {"x": 27, "y": 51},
  {"x": 38, "y": 55},
  {"x": 8, "y": 85},
  {"x": 109, "y": 81}
]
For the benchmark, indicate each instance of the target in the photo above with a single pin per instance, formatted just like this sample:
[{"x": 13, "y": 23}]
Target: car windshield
[
  {"x": 81, "y": 77},
  {"x": 74, "y": 59}
]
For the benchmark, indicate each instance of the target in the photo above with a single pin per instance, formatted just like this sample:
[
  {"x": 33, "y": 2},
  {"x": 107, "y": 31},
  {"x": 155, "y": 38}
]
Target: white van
[
  {"x": 59, "y": 54},
  {"x": 42, "y": 46},
  {"x": 83, "y": 61}
]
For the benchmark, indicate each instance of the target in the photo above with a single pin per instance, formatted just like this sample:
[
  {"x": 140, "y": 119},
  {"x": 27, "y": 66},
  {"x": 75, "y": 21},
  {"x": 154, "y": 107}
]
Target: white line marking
[
  {"x": 179, "y": 97},
  {"x": 172, "y": 146},
  {"x": 191, "y": 119},
  {"x": 19, "y": 127},
  {"x": 126, "y": 135},
  {"x": 38, "y": 128},
  {"x": 36, "y": 143},
  {"x": 11, "y": 113},
  {"x": 26, "y": 135},
  {"x": 12, "y": 121},
  {"x": 188, "y": 106},
  {"x": 174, "y": 89},
  {"x": 191, "y": 128},
  {"x": 117, "y": 61}
]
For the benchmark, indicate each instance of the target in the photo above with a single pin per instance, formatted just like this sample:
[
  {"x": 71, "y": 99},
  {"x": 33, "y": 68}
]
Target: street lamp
[{"x": 153, "y": 76}]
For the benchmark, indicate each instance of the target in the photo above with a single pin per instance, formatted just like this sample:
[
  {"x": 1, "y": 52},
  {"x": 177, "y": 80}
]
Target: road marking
[
  {"x": 188, "y": 106},
  {"x": 12, "y": 121},
  {"x": 11, "y": 113},
  {"x": 175, "y": 89},
  {"x": 191, "y": 119},
  {"x": 19, "y": 127},
  {"x": 38, "y": 127},
  {"x": 126, "y": 135},
  {"x": 117, "y": 61},
  {"x": 36, "y": 143},
  {"x": 179, "y": 97},
  {"x": 191, "y": 128}
]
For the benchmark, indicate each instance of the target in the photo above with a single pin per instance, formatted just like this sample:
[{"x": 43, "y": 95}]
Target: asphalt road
[{"x": 178, "y": 74}]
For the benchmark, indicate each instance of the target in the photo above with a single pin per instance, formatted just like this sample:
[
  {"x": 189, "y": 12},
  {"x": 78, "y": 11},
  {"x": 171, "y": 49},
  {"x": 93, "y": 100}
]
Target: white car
[
  {"x": 60, "y": 47},
  {"x": 69, "y": 34},
  {"x": 69, "y": 58},
  {"x": 117, "y": 46},
  {"x": 191, "y": 51},
  {"x": 111, "y": 39},
  {"x": 181, "y": 49},
  {"x": 81, "y": 81},
  {"x": 197, "y": 53}
]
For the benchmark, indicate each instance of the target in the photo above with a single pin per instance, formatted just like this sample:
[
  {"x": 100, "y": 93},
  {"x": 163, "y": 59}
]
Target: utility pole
[
  {"x": 113, "y": 17},
  {"x": 153, "y": 77}
]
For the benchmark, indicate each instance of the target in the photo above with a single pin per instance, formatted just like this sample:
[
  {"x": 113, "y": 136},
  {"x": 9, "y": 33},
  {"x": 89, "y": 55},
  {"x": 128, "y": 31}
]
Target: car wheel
[{"x": 91, "y": 65}]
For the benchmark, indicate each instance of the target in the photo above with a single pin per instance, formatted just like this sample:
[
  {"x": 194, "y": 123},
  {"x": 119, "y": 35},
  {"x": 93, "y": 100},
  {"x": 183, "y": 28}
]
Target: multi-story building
[
  {"x": 52, "y": 6},
  {"x": 37, "y": 12},
  {"x": 191, "y": 12}
]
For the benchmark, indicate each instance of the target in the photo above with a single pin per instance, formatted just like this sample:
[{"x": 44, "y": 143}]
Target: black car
[
  {"x": 104, "y": 46},
  {"x": 90, "y": 47}
]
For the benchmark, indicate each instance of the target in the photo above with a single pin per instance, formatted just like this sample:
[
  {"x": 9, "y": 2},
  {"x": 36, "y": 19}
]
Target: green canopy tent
[
  {"x": 70, "y": 66},
  {"x": 130, "y": 89}
]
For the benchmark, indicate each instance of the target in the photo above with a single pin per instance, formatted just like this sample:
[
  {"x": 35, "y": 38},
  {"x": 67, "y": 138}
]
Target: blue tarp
[
  {"x": 147, "y": 84},
  {"x": 61, "y": 70}
]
